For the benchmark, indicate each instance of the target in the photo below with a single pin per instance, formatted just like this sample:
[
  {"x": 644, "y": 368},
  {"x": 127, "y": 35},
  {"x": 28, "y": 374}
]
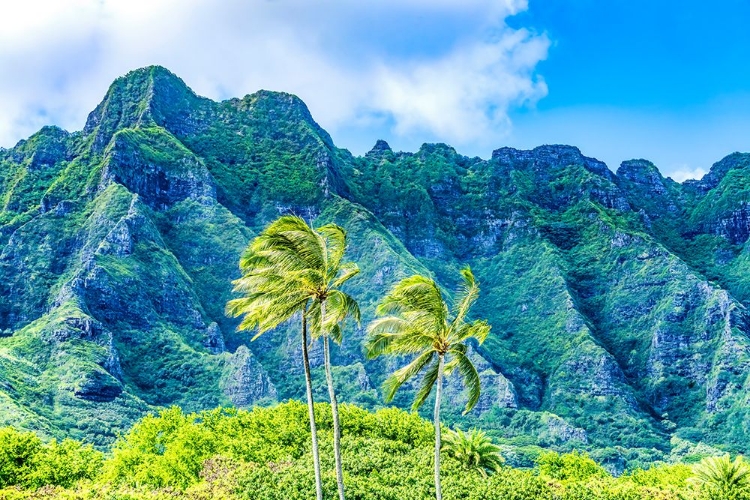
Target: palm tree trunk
[
  {"x": 311, "y": 411},
  {"x": 334, "y": 408},
  {"x": 436, "y": 421}
]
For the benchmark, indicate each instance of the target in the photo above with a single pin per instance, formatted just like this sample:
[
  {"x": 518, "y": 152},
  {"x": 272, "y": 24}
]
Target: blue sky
[
  {"x": 663, "y": 80},
  {"x": 669, "y": 81}
]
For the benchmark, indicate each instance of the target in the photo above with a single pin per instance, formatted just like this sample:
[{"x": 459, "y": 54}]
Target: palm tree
[
  {"x": 291, "y": 268},
  {"x": 722, "y": 476},
  {"x": 417, "y": 322},
  {"x": 474, "y": 450},
  {"x": 331, "y": 307}
]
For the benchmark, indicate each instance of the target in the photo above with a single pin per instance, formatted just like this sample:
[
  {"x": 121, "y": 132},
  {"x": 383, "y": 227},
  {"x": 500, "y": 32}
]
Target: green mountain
[{"x": 617, "y": 300}]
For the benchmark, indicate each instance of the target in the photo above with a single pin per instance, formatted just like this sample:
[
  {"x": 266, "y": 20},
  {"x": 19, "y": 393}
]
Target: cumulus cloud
[
  {"x": 684, "y": 173},
  {"x": 448, "y": 69}
]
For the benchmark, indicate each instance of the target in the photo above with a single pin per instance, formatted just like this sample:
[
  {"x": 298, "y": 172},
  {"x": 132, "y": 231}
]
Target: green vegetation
[
  {"x": 723, "y": 478},
  {"x": 28, "y": 463},
  {"x": 263, "y": 454},
  {"x": 618, "y": 302},
  {"x": 474, "y": 449}
]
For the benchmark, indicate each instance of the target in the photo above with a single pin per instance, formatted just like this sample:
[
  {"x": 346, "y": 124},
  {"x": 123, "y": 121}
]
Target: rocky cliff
[{"x": 617, "y": 300}]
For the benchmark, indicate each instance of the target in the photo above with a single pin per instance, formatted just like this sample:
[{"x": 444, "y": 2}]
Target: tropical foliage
[
  {"x": 263, "y": 454},
  {"x": 474, "y": 450},
  {"x": 27, "y": 462},
  {"x": 723, "y": 478}
]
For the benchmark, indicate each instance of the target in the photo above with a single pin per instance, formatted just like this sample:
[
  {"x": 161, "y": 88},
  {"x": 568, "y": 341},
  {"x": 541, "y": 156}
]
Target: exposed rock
[
  {"x": 160, "y": 185},
  {"x": 735, "y": 224},
  {"x": 497, "y": 391},
  {"x": 717, "y": 173},
  {"x": 561, "y": 431},
  {"x": 97, "y": 386},
  {"x": 544, "y": 157},
  {"x": 112, "y": 362},
  {"x": 244, "y": 380},
  {"x": 590, "y": 371},
  {"x": 362, "y": 379},
  {"x": 643, "y": 173},
  {"x": 379, "y": 149},
  {"x": 214, "y": 340}
]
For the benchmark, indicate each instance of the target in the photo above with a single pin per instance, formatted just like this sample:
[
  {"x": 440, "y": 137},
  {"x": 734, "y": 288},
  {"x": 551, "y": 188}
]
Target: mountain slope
[{"x": 617, "y": 300}]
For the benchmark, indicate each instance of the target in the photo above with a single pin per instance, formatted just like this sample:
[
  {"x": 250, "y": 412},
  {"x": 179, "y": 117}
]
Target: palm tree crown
[
  {"x": 474, "y": 450},
  {"x": 291, "y": 267},
  {"x": 722, "y": 474},
  {"x": 418, "y": 323}
]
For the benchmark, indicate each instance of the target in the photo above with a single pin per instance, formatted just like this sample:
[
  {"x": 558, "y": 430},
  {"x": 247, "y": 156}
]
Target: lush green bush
[
  {"x": 25, "y": 461},
  {"x": 575, "y": 466},
  {"x": 263, "y": 454}
]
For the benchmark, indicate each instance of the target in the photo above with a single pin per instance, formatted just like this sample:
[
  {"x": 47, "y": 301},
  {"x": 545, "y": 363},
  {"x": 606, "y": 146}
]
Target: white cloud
[
  {"x": 447, "y": 69},
  {"x": 684, "y": 173},
  {"x": 465, "y": 95}
]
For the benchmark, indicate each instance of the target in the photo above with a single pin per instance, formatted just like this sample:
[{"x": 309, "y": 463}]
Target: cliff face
[{"x": 617, "y": 301}]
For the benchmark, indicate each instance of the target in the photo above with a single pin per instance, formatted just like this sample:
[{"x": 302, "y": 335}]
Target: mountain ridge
[{"x": 610, "y": 293}]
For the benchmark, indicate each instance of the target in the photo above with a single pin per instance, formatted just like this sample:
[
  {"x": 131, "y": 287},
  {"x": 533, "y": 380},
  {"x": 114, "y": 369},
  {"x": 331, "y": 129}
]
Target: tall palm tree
[
  {"x": 271, "y": 298},
  {"x": 330, "y": 308},
  {"x": 289, "y": 268},
  {"x": 416, "y": 321}
]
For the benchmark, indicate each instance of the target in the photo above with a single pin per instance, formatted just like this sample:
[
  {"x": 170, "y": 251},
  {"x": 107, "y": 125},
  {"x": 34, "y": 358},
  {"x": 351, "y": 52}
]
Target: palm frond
[
  {"x": 394, "y": 335},
  {"x": 723, "y": 474},
  {"x": 291, "y": 242},
  {"x": 341, "y": 305},
  {"x": 336, "y": 333},
  {"x": 477, "y": 330},
  {"x": 415, "y": 293},
  {"x": 425, "y": 387},
  {"x": 400, "y": 376},
  {"x": 388, "y": 324},
  {"x": 335, "y": 243},
  {"x": 467, "y": 294},
  {"x": 379, "y": 344},
  {"x": 345, "y": 272},
  {"x": 470, "y": 377}
]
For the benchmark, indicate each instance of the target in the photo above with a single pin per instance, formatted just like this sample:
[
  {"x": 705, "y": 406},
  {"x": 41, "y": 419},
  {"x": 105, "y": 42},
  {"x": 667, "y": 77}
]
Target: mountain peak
[
  {"x": 638, "y": 170},
  {"x": 274, "y": 107},
  {"x": 718, "y": 171},
  {"x": 380, "y": 149},
  {"x": 282, "y": 104},
  {"x": 643, "y": 173},
  {"x": 551, "y": 155},
  {"x": 381, "y": 145},
  {"x": 146, "y": 96}
]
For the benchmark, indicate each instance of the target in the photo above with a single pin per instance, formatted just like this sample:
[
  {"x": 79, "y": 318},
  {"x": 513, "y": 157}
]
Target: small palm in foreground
[
  {"x": 474, "y": 450},
  {"x": 418, "y": 323},
  {"x": 722, "y": 476}
]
